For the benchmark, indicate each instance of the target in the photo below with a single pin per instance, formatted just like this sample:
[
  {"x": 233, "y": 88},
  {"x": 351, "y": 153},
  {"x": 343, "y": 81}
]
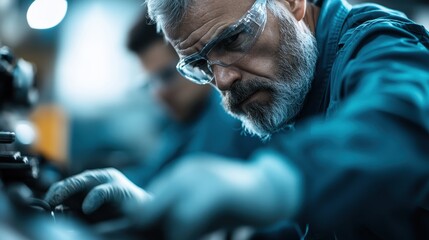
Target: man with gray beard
[
  {"x": 348, "y": 87},
  {"x": 296, "y": 62}
]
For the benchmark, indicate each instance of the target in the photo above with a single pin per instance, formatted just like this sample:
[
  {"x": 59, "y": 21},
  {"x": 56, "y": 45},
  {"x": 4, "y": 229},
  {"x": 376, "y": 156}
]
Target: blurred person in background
[
  {"x": 352, "y": 81},
  {"x": 195, "y": 120}
]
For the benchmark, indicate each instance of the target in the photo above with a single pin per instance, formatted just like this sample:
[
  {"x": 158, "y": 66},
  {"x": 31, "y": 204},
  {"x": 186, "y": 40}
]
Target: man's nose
[{"x": 225, "y": 76}]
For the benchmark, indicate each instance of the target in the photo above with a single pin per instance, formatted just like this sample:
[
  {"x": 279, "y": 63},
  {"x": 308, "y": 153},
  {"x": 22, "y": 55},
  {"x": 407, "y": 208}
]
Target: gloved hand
[
  {"x": 103, "y": 186},
  {"x": 204, "y": 192}
]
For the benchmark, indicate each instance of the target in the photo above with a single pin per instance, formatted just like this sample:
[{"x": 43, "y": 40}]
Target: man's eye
[
  {"x": 233, "y": 43},
  {"x": 200, "y": 64},
  {"x": 230, "y": 41}
]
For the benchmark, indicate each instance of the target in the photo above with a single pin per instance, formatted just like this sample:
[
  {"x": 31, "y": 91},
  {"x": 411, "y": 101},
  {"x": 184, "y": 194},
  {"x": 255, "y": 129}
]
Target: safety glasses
[{"x": 228, "y": 47}]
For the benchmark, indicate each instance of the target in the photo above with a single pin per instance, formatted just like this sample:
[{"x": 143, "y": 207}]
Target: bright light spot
[
  {"x": 43, "y": 14},
  {"x": 25, "y": 132},
  {"x": 102, "y": 67}
]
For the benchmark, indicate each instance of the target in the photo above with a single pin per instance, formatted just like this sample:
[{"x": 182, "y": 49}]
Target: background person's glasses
[
  {"x": 226, "y": 48},
  {"x": 163, "y": 77}
]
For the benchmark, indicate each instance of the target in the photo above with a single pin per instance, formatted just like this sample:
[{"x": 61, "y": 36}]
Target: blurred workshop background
[{"x": 91, "y": 110}]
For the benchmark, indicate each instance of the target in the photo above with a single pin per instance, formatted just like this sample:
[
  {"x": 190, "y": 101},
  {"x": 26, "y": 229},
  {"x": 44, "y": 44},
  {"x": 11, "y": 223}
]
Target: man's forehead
[{"x": 203, "y": 20}]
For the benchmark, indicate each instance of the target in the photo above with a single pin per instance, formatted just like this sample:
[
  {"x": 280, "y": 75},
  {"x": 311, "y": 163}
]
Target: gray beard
[{"x": 297, "y": 60}]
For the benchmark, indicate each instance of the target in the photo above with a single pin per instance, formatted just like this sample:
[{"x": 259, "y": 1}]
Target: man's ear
[{"x": 297, "y": 8}]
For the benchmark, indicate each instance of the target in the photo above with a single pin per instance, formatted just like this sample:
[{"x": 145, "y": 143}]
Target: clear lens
[
  {"x": 233, "y": 47},
  {"x": 162, "y": 78},
  {"x": 229, "y": 47},
  {"x": 197, "y": 71}
]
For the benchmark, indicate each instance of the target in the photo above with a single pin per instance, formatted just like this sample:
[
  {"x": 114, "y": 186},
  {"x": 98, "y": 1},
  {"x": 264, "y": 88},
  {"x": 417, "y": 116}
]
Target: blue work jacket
[{"x": 362, "y": 138}]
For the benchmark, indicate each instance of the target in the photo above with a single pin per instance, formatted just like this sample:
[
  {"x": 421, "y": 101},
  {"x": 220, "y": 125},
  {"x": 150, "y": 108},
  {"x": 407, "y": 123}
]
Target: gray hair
[{"x": 167, "y": 14}]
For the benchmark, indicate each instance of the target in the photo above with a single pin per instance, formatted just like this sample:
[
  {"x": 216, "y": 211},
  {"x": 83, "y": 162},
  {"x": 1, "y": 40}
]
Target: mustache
[{"x": 242, "y": 90}]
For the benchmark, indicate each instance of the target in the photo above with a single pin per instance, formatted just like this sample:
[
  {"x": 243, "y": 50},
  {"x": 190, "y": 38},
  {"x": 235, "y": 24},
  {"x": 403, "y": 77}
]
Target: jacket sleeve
[{"x": 368, "y": 161}]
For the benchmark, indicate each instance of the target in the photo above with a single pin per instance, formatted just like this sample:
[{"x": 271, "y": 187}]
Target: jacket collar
[{"x": 328, "y": 30}]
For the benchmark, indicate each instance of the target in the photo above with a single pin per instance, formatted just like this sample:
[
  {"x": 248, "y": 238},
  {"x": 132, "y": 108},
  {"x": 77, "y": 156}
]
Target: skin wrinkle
[
  {"x": 192, "y": 43},
  {"x": 198, "y": 44},
  {"x": 192, "y": 39},
  {"x": 218, "y": 25}
]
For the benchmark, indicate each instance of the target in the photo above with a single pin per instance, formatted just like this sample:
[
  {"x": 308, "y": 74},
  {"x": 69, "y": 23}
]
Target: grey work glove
[
  {"x": 204, "y": 192},
  {"x": 103, "y": 186}
]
